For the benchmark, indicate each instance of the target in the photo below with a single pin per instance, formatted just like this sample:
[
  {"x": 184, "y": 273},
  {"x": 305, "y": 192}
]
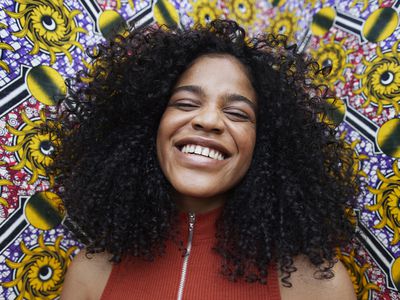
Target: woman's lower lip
[{"x": 199, "y": 160}]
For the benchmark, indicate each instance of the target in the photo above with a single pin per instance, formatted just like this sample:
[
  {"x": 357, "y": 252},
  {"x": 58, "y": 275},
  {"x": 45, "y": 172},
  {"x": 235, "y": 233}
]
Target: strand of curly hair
[{"x": 293, "y": 199}]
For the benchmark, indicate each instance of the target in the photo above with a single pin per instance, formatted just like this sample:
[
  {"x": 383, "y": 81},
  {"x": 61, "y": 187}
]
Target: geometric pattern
[{"x": 43, "y": 42}]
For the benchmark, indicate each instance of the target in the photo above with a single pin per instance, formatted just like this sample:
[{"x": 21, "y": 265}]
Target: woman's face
[{"x": 207, "y": 133}]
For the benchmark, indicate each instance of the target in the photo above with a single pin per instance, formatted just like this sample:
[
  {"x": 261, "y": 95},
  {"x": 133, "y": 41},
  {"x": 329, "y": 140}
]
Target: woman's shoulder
[
  {"x": 305, "y": 285},
  {"x": 87, "y": 276}
]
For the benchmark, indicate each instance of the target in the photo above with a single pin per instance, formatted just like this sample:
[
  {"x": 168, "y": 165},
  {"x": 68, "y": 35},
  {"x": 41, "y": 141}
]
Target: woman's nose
[{"x": 209, "y": 120}]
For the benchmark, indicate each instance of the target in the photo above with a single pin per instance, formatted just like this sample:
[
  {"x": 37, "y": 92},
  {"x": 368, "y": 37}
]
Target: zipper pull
[{"x": 192, "y": 219}]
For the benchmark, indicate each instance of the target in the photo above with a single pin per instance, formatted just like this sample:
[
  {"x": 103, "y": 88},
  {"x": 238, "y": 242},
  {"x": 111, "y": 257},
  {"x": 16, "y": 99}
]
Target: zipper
[{"x": 192, "y": 219}]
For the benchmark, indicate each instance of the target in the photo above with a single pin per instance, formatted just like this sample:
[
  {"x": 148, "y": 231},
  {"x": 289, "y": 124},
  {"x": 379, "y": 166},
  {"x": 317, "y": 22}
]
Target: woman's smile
[
  {"x": 197, "y": 151},
  {"x": 205, "y": 158}
]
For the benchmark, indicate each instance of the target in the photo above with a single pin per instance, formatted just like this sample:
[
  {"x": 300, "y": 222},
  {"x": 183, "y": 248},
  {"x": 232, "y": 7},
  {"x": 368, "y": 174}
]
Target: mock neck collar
[{"x": 204, "y": 224}]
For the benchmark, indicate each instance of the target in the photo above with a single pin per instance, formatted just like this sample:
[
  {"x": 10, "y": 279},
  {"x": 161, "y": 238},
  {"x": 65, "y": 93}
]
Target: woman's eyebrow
[
  {"x": 240, "y": 98},
  {"x": 190, "y": 88}
]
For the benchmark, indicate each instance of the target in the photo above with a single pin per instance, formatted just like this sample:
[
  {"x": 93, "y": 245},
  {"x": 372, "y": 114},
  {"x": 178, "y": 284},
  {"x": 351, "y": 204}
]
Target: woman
[{"x": 196, "y": 165}]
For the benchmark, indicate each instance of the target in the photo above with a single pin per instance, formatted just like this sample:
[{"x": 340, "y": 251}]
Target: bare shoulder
[
  {"x": 86, "y": 276},
  {"x": 306, "y": 286}
]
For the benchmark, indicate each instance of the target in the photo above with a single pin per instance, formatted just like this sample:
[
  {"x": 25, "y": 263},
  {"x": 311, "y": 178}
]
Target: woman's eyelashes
[
  {"x": 233, "y": 114},
  {"x": 186, "y": 105},
  {"x": 237, "y": 115}
]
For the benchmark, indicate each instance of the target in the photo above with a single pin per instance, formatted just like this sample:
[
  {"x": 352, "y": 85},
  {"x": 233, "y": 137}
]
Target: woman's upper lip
[{"x": 205, "y": 142}]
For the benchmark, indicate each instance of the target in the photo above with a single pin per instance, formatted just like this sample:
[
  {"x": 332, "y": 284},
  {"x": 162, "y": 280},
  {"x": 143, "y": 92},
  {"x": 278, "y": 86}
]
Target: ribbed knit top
[{"x": 162, "y": 278}]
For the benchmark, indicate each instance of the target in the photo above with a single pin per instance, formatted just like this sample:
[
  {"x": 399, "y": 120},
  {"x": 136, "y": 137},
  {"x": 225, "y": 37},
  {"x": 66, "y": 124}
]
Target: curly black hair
[{"x": 294, "y": 197}]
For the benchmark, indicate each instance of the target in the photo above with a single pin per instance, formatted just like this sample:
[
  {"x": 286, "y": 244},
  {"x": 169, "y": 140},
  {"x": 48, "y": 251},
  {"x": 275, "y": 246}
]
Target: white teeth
[
  {"x": 198, "y": 149},
  {"x": 212, "y": 154},
  {"x": 205, "y": 151},
  {"x": 184, "y": 149}
]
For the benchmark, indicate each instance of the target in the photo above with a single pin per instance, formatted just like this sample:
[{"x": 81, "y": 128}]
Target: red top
[{"x": 165, "y": 278}]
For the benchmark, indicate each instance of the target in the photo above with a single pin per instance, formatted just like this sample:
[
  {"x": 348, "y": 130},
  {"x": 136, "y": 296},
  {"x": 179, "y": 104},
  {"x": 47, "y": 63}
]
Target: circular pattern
[
  {"x": 285, "y": 23},
  {"x": 335, "y": 56},
  {"x": 380, "y": 80},
  {"x": 388, "y": 138},
  {"x": 387, "y": 77},
  {"x": 243, "y": 11},
  {"x": 204, "y": 11},
  {"x": 46, "y": 85},
  {"x": 49, "y": 26},
  {"x": 45, "y": 273},
  {"x": 384, "y": 79},
  {"x": 111, "y": 23},
  {"x": 380, "y": 24},
  {"x": 44, "y": 210},
  {"x": 39, "y": 272},
  {"x": 322, "y": 21},
  {"x": 387, "y": 202},
  {"x": 48, "y": 23},
  {"x": 33, "y": 145}
]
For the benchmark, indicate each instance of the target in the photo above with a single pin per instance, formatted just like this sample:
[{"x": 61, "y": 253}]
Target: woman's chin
[
  {"x": 197, "y": 192},
  {"x": 199, "y": 198}
]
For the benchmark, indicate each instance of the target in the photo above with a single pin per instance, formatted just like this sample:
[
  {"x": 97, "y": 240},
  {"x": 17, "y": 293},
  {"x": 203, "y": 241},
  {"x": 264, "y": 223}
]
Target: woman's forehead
[{"x": 218, "y": 72}]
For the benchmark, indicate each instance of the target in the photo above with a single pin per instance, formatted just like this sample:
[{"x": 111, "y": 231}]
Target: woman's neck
[{"x": 199, "y": 205}]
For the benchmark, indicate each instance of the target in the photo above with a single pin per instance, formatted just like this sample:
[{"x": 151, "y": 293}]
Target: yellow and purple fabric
[{"x": 43, "y": 42}]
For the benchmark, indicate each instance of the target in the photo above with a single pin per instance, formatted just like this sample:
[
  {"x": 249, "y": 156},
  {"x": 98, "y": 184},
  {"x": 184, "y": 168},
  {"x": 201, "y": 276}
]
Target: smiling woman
[
  {"x": 194, "y": 162},
  {"x": 208, "y": 131}
]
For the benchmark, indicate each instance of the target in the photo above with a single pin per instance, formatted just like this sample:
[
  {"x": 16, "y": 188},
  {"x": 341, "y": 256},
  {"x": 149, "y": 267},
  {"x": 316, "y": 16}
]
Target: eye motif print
[
  {"x": 49, "y": 26},
  {"x": 380, "y": 79},
  {"x": 43, "y": 43},
  {"x": 39, "y": 272}
]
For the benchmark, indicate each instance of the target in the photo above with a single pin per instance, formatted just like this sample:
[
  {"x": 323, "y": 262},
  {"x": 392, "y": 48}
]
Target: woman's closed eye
[
  {"x": 237, "y": 115},
  {"x": 185, "y": 105},
  {"x": 233, "y": 114}
]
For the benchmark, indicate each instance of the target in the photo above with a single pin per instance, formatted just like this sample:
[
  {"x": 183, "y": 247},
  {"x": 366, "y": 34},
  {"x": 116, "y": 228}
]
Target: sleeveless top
[{"x": 194, "y": 275}]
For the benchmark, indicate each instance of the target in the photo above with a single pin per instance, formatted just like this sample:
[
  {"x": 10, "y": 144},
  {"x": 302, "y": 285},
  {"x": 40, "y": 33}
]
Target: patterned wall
[{"x": 42, "y": 42}]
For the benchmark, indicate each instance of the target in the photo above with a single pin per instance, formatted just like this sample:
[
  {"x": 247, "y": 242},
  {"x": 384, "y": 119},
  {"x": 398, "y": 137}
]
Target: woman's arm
[
  {"x": 86, "y": 278},
  {"x": 306, "y": 286}
]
